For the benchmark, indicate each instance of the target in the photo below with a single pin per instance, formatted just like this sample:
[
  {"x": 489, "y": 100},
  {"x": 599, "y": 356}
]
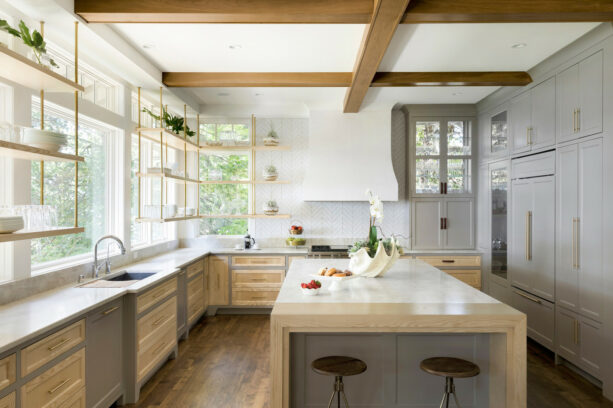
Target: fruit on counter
[
  {"x": 322, "y": 271},
  {"x": 296, "y": 228},
  {"x": 331, "y": 271},
  {"x": 311, "y": 285},
  {"x": 336, "y": 273},
  {"x": 295, "y": 241}
]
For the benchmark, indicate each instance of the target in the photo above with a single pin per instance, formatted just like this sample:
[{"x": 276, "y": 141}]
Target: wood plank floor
[{"x": 225, "y": 364}]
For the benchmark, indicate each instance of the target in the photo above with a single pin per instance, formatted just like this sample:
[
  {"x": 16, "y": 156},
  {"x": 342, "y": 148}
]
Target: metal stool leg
[
  {"x": 445, "y": 399},
  {"x": 332, "y": 397},
  {"x": 449, "y": 391}
]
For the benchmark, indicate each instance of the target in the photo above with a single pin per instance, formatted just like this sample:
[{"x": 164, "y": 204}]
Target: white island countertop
[{"x": 412, "y": 297}]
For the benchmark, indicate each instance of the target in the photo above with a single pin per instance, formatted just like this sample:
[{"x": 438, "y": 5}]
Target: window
[
  {"x": 442, "y": 155},
  {"x": 230, "y": 198},
  {"x": 147, "y": 233},
  {"x": 99, "y": 191}
]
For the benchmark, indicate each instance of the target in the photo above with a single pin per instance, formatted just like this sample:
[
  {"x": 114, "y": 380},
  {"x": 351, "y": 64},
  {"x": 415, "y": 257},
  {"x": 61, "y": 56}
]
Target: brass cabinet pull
[
  {"x": 60, "y": 385},
  {"x": 60, "y": 344},
  {"x": 258, "y": 279},
  {"x": 532, "y": 298},
  {"x": 578, "y": 119},
  {"x": 528, "y": 136},
  {"x": 258, "y": 297},
  {"x": 576, "y": 240},
  {"x": 529, "y": 236},
  {"x": 111, "y": 310},
  {"x": 576, "y": 331},
  {"x": 158, "y": 321}
]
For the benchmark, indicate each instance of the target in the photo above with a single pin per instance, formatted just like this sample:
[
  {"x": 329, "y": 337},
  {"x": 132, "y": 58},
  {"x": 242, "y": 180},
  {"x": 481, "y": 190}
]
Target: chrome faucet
[{"x": 107, "y": 262}]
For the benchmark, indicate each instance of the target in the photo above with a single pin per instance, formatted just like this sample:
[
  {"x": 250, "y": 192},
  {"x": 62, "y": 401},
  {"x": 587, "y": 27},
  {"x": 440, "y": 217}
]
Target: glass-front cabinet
[
  {"x": 499, "y": 132},
  {"x": 499, "y": 196},
  {"x": 443, "y": 155}
]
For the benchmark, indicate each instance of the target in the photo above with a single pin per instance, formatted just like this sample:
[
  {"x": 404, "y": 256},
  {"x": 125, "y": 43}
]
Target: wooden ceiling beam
[
  {"x": 225, "y": 11},
  {"x": 341, "y": 79},
  {"x": 507, "y": 11},
  {"x": 500, "y": 78},
  {"x": 256, "y": 79},
  {"x": 377, "y": 36},
  {"x": 339, "y": 11}
]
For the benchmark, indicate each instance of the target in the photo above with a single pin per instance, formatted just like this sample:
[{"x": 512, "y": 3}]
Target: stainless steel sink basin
[{"x": 131, "y": 276}]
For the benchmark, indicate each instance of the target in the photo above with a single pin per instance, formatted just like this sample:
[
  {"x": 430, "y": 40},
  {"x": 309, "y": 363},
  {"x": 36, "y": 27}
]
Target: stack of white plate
[
  {"x": 44, "y": 139},
  {"x": 10, "y": 224}
]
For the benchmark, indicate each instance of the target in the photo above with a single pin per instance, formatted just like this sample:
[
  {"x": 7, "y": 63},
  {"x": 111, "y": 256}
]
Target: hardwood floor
[{"x": 225, "y": 364}]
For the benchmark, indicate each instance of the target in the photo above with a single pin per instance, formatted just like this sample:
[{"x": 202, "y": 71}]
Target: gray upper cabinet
[
  {"x": 532, "y": 117},
  {"x": 498, "y": 132},
  {"x": 579, "y": 99},
  {"x": 443, "y": 223}
]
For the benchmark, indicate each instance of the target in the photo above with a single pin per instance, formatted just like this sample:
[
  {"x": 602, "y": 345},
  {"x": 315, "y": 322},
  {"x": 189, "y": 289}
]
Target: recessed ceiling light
[
  {"x": 223, "y": 94},
  {"x": 235, "y": 46},
  {"x": 519, "y": 45},
  {"x": 148, "y": 46}
]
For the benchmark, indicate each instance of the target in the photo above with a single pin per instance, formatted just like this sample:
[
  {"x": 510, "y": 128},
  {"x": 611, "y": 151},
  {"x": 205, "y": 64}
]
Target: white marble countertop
[
  {"x": 409, "y": 281},
  {"x": 35, "y": 315}
]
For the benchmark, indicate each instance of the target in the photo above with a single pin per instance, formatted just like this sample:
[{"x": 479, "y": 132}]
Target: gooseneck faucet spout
[{"x": 107, "y": 263}]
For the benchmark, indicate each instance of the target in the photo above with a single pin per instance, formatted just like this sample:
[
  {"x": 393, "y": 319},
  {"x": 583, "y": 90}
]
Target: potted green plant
[
  {"x": 171, "y": 122},
  {"x": 32, "y": 39},
  {"x": 270, "y": 173}
]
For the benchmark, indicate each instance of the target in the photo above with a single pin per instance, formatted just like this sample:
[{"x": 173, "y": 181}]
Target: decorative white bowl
[
  {"x": 11, "y": 224},
  {"x": 361, "y": 264},
  {"x": 44, "y": 139},
  {"x": 271, "y": 141}
]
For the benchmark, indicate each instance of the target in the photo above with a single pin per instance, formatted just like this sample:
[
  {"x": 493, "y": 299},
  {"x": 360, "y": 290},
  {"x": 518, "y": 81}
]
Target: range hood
[{"x": 348, "y": 154}]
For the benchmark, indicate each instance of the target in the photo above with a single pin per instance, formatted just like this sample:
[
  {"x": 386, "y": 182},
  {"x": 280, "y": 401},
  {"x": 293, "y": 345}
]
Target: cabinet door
[
  {"x": 483, "y": 207},
  {"x": 181, "y": 303},
  {"x": 567, "y": 276},
  {"x": 499, "y": 132},
  {"x": 590, "y": 95},
  {"x": 521, "y": 206},
  {"x": 103, "y": 371},
  {"x": 543, "y": 128},
  {"x": 567, "y": 337},
  {"x": 542, "y": 237},
  {"x": 484, "y": 136},
  {"x": 427, "y": 233},
  {"x": 459, "y": 233},
  {"x": 589, "y": 237},
  {"x": 218, "y": 284},
  {"x": 590, "y": 346},
  {"x": 567, "y": 101},
  {"x": 540, "y": 316},
  {"x": 520, "y": 115}
]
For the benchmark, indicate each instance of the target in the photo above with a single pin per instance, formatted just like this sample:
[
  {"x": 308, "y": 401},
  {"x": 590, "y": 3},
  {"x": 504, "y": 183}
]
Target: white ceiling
[
  {"x": 333, "y": 47},
  {"x": 263, "y": 47},
  {"x": 477, "y": 47}
]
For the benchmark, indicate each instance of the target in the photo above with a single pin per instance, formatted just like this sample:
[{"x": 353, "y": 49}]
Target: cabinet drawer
[
  {"x": 194, "y": 269},
  {"x": 195, "y": 285},
  {"x": 258, "y": 261},
  {"x": 157, "y": 351},
  {"x": 255, "y": 297},
  {"x": 452, "y": 260},
  {"x": 8, "y": 371},
  {"x": 257, "y": 278},
  {"x": 149, "y": 326},
  {"x": 8, "y": 401},
  {"x": 540, "y": 316},
  {"x": 195, "y": 306},
  {"x": 77, "y": 401},
  {"x": 470, "y": 277},
  {"x": 56, "y": 386},
  {"x": 40, "y": 353},
  {"x": 151, "y": 297}
]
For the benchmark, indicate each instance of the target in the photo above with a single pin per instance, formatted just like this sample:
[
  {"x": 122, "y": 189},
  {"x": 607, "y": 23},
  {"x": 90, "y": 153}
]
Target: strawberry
[
  {"x": 303, "y": 285},
  {"x": 318, "y": 284}
]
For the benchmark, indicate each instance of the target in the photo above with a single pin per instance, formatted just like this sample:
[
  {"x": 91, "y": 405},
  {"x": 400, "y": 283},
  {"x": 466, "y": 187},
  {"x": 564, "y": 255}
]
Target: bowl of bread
[{"x": 336, "y": 277}]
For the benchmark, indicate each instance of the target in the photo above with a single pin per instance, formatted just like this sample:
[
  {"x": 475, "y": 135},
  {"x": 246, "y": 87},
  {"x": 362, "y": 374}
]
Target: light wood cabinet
[
  {"x": 579, "y": 268},
  {"x": 255, "y": 278},
  {"x": 153, "y": 296},
  {"x": 470, "y": 277},
  {"x": 254, "y": 296},
  {"x": 218, "y": 282},
  {"x": 8, "y": 401},
  {"x": 8, "y": 371},
  {"x": 104, "y": 356},
  {"x": 579, "y": 340},
  {"x": 57, "y": 385},
  {"x": 532, "y": 262},
  {"x": 579, "y": 99},
  {"x": 194, "y": 269},
  {"x": 532, "y": 115},
  {"x": 452, "y": 260},
  {"x": 258, "y": 261},
  {"x": 43, "y": 351},
  {"x": 195, "y": 297}
]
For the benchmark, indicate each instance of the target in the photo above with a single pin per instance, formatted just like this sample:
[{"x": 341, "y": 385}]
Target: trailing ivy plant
[
  {"x": 171, "y": 121},
  {"x": 34, "y": 40}
]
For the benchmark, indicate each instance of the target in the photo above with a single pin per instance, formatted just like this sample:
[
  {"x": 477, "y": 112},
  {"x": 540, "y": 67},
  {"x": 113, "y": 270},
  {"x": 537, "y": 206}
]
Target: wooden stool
[
  {"x": 449, "y": 368},
  {"x": 339, "y": 367}
]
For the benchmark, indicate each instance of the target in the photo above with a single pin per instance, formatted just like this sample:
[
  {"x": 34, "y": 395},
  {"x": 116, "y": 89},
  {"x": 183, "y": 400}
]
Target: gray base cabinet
[
  {"x": 103, "y": 372},
  {"x": 540, "y": 314},
  {"x": 579, "y": 340}
]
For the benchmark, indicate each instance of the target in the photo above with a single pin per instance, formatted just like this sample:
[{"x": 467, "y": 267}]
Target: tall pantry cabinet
[{"x": 579, "y": 254}]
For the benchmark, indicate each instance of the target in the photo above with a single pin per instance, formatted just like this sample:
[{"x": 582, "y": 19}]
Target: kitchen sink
[{"x": 131, "y": 276}]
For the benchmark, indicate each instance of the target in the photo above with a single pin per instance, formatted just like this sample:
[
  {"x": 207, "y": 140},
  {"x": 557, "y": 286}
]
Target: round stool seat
[
  {"x": 449, "y": 367},
  {"x": 338, "y": 366}
]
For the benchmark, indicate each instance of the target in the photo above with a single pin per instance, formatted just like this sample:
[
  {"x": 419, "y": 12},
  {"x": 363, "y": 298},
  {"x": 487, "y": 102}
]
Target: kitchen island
[{"x": 414, "y": 311}]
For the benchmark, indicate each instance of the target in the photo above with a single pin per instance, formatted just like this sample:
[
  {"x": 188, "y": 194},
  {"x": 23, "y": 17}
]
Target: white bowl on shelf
[
  {"x": 44, "y": 139},
  {"x": 11, "y": 224}
]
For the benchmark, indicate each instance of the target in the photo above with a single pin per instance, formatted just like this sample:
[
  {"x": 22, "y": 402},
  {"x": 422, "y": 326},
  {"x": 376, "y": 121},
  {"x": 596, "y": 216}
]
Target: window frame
[{"x": 443, "y": 155}]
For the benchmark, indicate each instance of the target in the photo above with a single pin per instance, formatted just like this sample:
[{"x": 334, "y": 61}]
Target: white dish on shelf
[
  {"x": 44, "y": 139},
  {"x": 11, "y": 224}
]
